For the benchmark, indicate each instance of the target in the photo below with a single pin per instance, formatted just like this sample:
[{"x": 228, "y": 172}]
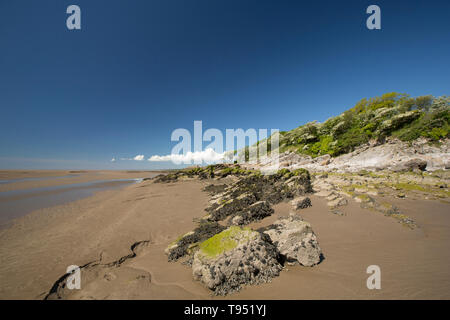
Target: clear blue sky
[{"x": 137, "y": 70}]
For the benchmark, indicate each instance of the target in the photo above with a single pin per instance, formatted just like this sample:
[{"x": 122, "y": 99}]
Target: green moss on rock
[{"x": 225, "y": 241}]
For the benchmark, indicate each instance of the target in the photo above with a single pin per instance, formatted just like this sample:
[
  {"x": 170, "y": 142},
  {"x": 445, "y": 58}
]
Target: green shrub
[{"x": 392, "y": 114}]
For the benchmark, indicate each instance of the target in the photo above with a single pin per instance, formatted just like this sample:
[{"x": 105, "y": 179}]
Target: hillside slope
[
  {"x": 394, "y": 131},
  {"x": 391, "y": 115}
]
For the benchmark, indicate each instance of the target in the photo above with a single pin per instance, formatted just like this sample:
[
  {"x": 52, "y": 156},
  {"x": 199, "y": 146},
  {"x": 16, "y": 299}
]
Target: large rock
[
  {"x": 412, "y": 164},
  {"x": 300, "y": 184},
  {"x": 301, "y": 203},
  {"x": 235, "y": 257},
  {"x": 295, "y": 240}
]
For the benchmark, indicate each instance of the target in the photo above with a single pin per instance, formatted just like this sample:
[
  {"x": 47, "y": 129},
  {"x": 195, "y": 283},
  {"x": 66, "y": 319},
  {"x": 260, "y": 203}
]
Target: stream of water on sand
[
  {"x": 17, "y": 203},
  {"x": 37, "y": 178}
]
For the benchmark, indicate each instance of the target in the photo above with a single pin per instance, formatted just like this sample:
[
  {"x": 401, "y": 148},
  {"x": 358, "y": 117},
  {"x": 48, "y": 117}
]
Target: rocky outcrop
[
  {"x": 235, "y": 257},
  {"x": 251, "y": 196},
  {"x": 392, "y": 154},
  {"x": 295, "y": 240},
  {"x": 226, "y": 259},
  {"x": 370, "y": 189}
]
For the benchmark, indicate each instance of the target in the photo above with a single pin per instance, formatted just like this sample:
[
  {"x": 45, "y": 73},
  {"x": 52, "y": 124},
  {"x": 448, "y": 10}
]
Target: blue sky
[{"x": 139, "y": 69}]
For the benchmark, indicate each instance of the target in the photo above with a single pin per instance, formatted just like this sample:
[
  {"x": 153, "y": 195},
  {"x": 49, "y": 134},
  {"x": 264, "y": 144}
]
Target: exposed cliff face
[
  {"x": 392, "y": 132},
  {"x": 393, "y": 155}
]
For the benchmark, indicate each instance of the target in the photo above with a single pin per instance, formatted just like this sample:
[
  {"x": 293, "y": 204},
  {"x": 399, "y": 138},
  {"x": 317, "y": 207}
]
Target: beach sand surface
[{"x": 101, "y": 229}]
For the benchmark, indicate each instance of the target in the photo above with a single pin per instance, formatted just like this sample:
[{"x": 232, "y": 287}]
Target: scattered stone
[
  {"x": 337, "y": 203},
  {"x": 405, "y": 220},
  {"x": 337, "y": 212}
]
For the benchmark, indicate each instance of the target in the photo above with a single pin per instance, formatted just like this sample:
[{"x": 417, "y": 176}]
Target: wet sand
[
  {"x": 36, "y": 251},
  {"x": 47, "y": 178},
  {"x": 21, "y": 192}
]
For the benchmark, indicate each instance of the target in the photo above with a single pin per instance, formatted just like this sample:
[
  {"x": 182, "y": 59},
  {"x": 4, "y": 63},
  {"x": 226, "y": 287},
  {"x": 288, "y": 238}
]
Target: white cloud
[
  {"x": 208, "y": 156},
  {"x": 113, "y": 160},
  {"x": 139, "y": 157}
]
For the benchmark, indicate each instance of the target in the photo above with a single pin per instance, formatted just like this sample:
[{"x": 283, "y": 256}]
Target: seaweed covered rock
[
  {"x": 208, "y": 172},
  {"x": 214, "y": 189},
  {"x": 237, "y": 198},
  {"x": 233, "y": 258},
  {"x": 186, "y": 243},
  {"x": 257, "y": 211},
  {"x": 295, "y": 240},
  {"x": 301, "y": 203},
  {"x": 165, "y": 178},
  {"x": 227, "y": 206}
]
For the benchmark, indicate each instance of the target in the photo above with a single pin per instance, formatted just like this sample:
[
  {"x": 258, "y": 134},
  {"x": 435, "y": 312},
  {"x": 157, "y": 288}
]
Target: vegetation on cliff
[{"x": 391, "y": 115}]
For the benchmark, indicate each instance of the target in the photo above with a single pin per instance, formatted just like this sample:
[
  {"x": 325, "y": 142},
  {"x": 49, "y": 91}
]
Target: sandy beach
[{"x": 124, "y": 233}]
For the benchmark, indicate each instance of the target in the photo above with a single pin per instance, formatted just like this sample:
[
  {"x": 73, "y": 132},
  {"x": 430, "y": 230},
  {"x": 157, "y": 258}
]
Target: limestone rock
[
  {"x": 412, "y": 164},
  {"x": 237, "y": 220},
  {"x": 295, "y": 240},
  {"x": 235, "y": 257},
  {"x": 257, "y": 211},
  {"x": 301, "y": 203}
]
